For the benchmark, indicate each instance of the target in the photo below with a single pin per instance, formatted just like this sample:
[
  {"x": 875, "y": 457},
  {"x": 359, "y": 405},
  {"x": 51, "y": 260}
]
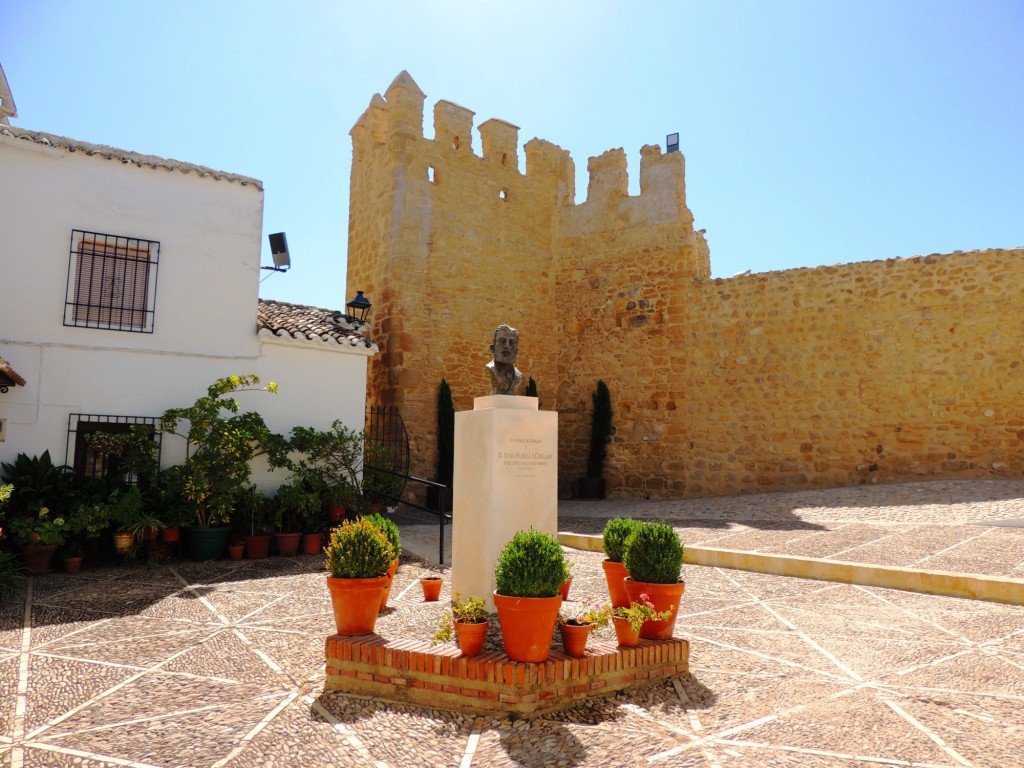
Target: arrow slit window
[{"x": 111, "y": 282}]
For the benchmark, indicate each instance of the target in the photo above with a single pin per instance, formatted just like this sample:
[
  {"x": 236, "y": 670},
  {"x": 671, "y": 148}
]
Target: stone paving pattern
[{"x": 192, "y": 665}]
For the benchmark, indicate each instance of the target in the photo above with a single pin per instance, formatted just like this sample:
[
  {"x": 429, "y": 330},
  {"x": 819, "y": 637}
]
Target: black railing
[{"x": 387, "y": 456}]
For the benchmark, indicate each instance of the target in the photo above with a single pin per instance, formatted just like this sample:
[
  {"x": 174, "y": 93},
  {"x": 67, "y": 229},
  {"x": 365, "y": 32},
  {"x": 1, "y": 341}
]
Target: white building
[{"x": 129, "y": 283}]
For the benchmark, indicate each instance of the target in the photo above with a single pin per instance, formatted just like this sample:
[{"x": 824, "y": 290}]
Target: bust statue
[{"x": 505, "y": 377}]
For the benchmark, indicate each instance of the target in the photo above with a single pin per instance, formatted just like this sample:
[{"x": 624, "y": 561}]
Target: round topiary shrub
[
  {"x": 388, "y": 528},
  {"x": 654, "y": 554},
  {"x": 532, "y": 564},
  {"x": 616, "y": 531},
  {"x": 358, "y": 550}
]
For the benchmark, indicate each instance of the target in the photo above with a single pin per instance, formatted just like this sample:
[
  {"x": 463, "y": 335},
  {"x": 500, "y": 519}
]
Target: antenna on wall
[
  {"x": 279, "y": 252},
  {"x": 672, "y": 142}
]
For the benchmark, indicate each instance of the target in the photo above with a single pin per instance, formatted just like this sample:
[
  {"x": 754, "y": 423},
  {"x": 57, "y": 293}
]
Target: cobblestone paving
[{"x": 207, "y": 665}]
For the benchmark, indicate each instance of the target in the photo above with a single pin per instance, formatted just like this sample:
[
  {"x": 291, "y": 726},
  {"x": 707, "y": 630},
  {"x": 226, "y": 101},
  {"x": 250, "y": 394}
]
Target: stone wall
[{"x": 866, "y": 372}]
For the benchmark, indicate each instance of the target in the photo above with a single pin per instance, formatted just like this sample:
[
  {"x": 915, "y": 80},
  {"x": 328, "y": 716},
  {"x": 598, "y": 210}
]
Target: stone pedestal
[{"x": 506, "y": 480}]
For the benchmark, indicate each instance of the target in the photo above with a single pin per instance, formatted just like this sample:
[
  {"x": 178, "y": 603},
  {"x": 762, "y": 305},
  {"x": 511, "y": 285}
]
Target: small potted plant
[
  {"x": 467, "y": 620},
  {"x": 294, "y": 502},
  {"x": 314, "y": 520},
  {"x": 125, "y": 513},
  {"x": 529, "y": 571},
  {"x": 389, "y": 529},
  {"x": 357, "y": 560},
  {"x": 654, "y": 559},
  {"x": 613, "y": 540},
  {"x": 39, "y": 533},
  {"x": 628, "y": 619},
  {"x": 576, "y": 629},
  {"x": 251, "y": 519}
]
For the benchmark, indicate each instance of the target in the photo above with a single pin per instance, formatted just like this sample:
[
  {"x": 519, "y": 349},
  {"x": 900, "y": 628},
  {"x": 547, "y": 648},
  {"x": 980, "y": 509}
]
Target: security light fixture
[
  {"x": 672, "y": 142},
  {"x": 358, "y": 308},
  {"x": 279, "y": 252}
]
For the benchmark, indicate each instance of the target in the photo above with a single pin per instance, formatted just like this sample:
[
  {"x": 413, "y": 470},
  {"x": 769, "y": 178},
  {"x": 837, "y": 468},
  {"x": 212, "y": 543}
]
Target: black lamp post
[{"x": 357, "y": 309}]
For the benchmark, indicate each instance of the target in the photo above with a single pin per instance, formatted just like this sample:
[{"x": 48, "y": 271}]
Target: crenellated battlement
[{"x": 397, "y": 118}]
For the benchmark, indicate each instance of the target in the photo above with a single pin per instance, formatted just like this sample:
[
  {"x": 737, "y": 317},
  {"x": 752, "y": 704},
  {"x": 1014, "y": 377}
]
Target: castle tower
[{"x": 449, "y": 244}]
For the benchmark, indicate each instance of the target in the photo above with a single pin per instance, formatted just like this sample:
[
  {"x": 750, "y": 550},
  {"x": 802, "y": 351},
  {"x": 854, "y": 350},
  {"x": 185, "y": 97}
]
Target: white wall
[{"x": 207, "y": 291}]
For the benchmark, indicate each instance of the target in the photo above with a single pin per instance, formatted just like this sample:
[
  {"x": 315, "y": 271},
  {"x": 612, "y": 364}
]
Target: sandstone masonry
[{"x": 864, "y": 372}]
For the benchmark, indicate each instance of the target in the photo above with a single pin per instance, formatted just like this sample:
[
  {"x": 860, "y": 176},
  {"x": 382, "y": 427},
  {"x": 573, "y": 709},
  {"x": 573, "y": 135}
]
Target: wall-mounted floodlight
[
  {"x": 279, "y": 252},
  {"x": 672, "y": 142}
]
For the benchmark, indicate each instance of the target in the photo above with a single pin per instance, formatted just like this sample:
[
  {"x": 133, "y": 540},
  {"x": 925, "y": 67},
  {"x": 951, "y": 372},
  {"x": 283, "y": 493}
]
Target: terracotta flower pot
[
  {"x": 431, "y": 588},
  {"x": 235, "y": 551},
  {"x": 387, "y": 590},
  {"x": 624, "y": 632},
  {"x": 288, "y": 543},
  {"x": 38, "y": 558},
  {"x": 257, "y": 547},
  {"x": 564, "y": 588},
  {"x": 527, "y": 625},
  {"x": 356, "y": 603},
  {"x": 170, "y": 535},
  {"x": 72, "y": 564},
  {"x": 614, "y": 574},
  {"x": 123, "y": 542},
  {"x": 336, "y": 513},
  {"x": 574, "y": 638},
  {"x": 471, "y": 636},
  {"x": 312, "y": 543},
  {"x": 664, "y": 597}
]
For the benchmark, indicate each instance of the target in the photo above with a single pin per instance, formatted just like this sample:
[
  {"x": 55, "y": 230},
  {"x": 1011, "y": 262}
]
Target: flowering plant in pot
[
  {"x": 630, "y": 619},
  {"x": 357, "y": 559},
  {"x": 388, "y": 528},
  {"x": 613, "y": 540},
  {"x": 529, "y": 571},
  {"x": 39, "y": 534},
  {"x": 467, "y": 620},
  {"x": 295, "y": 502},
  {"x": 576, "y": 628},
  {"x": 654, "y": 559}
]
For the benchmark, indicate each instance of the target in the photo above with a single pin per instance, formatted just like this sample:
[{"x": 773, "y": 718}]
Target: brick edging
[{"x": 413, "y": 671}]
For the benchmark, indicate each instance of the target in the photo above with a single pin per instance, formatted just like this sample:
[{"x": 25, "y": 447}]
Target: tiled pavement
[{"x": 203, "y": 665}]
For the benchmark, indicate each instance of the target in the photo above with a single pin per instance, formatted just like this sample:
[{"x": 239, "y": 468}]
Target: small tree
[
  {"x": 445, "y": 435},
  {"x": 220, "y": 447},
  {"x": 531, "y": 388},
  {"x": 600, "y": 430}
]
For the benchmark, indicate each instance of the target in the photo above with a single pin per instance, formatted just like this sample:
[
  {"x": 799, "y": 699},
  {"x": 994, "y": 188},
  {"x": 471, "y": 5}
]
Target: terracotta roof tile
[
  {"x": 123, "y": 155},
  {"x": 298, "y": 321}
]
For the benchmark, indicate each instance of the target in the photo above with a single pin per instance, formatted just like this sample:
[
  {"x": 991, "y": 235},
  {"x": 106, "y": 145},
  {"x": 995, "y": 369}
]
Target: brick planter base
[{"x": 414, "y": 672}]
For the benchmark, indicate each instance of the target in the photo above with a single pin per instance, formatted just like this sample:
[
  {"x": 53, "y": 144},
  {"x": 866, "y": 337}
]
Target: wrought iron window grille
[
  {"x": 88, "y": 462},
  {"x": 111, "y": 282}
]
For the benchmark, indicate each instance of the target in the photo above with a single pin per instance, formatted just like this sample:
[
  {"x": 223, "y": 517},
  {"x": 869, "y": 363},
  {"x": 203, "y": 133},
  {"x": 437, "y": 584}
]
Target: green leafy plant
[
  {"x": 358, "y": 550},
  {"x": 639, "y": 612},
  {"x": 389, "y": 529},
  {"x": 600, "y": 430},
  {"x": 597, "y": 615},
  {"x": 38, "y": 482},
  {"x": 295, "y": 503},
  {"x": 531, "y": 564},
  {"x": 126, "y": 509},
  {"x": 654, "y": 554},
  {"x": 613, "y": 538},
  {"x": 463, "y": 611},
  {"x": 329, "y": 461},
  {"x": 220, "y": 444},
  {"x": 43, "y": 528}
]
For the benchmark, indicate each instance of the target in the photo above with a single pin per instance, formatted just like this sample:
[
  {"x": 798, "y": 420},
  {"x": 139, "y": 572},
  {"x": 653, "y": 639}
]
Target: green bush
[
  {"x": 654, "y": 554},
  {"x": 600, "y": 430},
  {"x": 388, "y": 528},
  {"x": 358, "y": 550},
  {"x": 532, "y": 564},
  {"x": 616, "y": 531}
]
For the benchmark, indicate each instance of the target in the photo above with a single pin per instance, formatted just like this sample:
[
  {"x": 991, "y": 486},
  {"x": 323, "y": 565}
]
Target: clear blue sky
[{"x": 815, "y": 132}]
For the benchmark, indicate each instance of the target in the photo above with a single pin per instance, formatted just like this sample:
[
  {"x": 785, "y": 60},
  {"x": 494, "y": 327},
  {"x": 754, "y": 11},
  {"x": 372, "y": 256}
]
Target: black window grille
[
  {"x": 111, "y": 282},
  {"x": 89, "y": 462}
]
